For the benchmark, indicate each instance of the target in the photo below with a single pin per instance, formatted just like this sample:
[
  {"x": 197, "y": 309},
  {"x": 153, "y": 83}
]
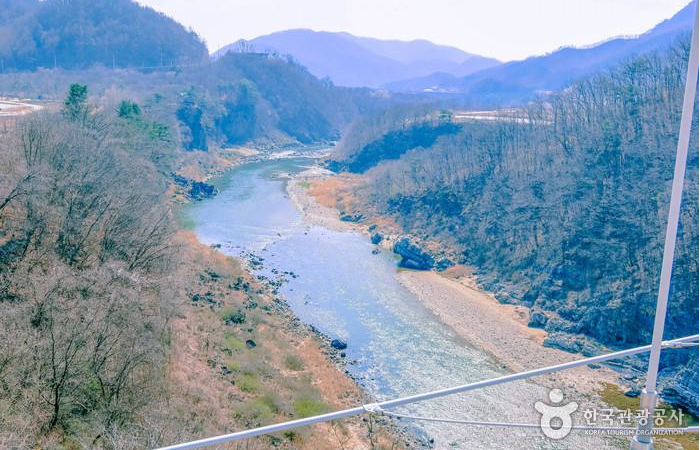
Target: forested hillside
[
  {"x": 280, "y": 95},
  {"x": 118, "y": 330},
  {"x": 563, "y": 210},
  {"x": 85, "y": 234},
  {"x": 124, "y": 50},
  {"x": 82, "y": 33},
  {"x": 238, "y": 99}
]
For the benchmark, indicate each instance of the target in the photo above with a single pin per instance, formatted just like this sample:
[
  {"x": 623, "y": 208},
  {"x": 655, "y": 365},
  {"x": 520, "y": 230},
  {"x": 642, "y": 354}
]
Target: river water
[{"x": 396, "y": 347}]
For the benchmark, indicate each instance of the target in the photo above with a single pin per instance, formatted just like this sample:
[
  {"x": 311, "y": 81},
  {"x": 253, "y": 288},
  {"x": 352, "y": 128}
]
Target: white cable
[{"x": 683, "y": 344}]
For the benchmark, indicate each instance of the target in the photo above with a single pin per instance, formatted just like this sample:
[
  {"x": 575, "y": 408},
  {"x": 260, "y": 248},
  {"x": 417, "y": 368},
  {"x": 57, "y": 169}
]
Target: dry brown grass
[
  {"x": 335, "y": 191},
  {"x": 199, "y": 165}
]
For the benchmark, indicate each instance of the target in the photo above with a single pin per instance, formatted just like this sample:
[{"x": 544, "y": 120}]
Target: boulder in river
[
  {"x": 412, "y": 256},
  {"x": 338, "y": 344}
]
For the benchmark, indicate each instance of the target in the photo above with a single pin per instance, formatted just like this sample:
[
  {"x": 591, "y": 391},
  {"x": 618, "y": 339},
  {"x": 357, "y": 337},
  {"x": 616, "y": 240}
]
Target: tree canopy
[{"x": 81, "y": 33}]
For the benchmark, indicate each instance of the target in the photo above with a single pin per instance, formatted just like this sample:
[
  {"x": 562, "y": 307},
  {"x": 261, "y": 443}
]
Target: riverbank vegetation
[
  {"x": 562, "y": 209},
  {"x": 85, "y": 235},
  {"x": 120, "y": 331}
]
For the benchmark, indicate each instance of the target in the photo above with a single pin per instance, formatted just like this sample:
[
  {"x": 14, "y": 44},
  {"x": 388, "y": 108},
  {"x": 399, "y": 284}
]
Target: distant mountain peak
[
  {"x": 351, "y": 60},
  {"x": 518, "y": 81}
]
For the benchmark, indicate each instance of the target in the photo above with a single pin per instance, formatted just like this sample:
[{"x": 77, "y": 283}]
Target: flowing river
[{"x": 396, "y": 347}]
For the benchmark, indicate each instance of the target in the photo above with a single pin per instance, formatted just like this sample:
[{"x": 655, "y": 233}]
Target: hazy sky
[{"x": 504, "y": 29}]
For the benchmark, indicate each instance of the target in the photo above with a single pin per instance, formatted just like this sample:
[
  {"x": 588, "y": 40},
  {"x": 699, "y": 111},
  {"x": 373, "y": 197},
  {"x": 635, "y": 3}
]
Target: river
[{"x": 396, "y": 347}]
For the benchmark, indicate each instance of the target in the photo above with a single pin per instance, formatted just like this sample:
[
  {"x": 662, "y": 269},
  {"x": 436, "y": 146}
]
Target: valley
[
  {"x": 396, "y": 346},
  {"x": 199, "y": 238}
]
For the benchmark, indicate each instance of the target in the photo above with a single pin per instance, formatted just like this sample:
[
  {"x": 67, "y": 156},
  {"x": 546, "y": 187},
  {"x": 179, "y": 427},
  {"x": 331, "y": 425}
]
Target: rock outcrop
[
  {"x": 538, "y": 319},
  {"x": 412, "y": 256},
  {"x": 196, "y": 190},
  {"x": 444, "y": 264},
  {"x": 572, "y": 343},
  {"x": 680, "y": 387},
  {"x": 201, "y": 190}
]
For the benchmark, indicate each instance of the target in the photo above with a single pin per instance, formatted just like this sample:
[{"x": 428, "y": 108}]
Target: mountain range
[
  {"x": 359, "y": 61},
  {"x": 422, "y": 66},
  {"x": 556, "y": 70},
  {"x": 78, "y": 34}
]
